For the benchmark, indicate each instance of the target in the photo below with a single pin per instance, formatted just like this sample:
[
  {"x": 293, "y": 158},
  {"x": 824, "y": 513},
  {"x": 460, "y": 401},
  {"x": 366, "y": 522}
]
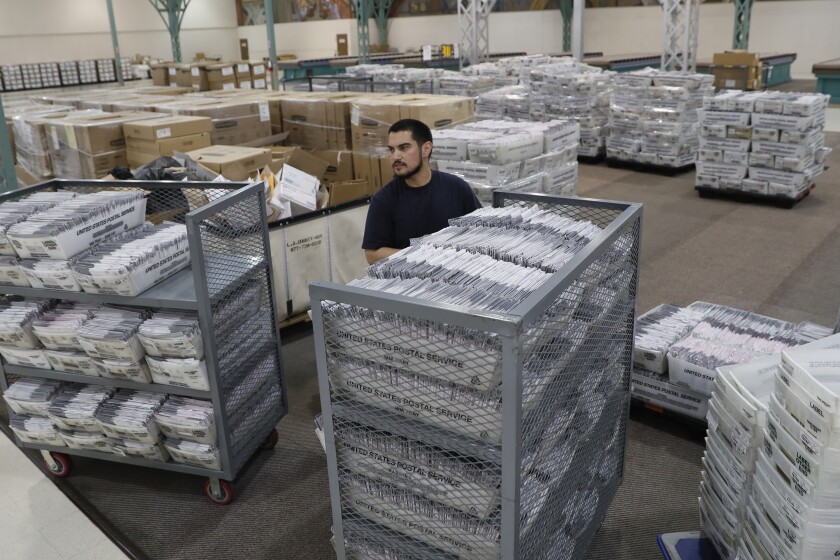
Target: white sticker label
[
  {"x": 355, "y": 116},
  {"x": 163, "y": 133},
  {"x": 243, "y": 68},
  {"x": 259, "y": 84},
  {"x": 196, "y": 71},
  {"x": 172, "y": 72},
  {"x": 265, "y": 115},
  {"x": 259, "y": 69},
  {"x": 54, "y": 135},
  {"x": 227, "y": 71},
  {"x": 730, "y": 83},
  {"x": 228, "y": 86}
]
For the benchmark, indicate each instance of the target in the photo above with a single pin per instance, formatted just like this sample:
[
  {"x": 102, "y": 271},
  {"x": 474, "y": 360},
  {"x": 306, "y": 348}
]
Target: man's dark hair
[{"x": 420, "y": 133}]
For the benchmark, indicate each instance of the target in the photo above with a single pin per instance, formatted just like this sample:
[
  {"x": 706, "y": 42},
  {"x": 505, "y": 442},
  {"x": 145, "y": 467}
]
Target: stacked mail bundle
[
  {"x": 653, "y": 117},
  {"x": 502, "y": 75},
  {"x": 504, "y": 103},
  {"x": 174, "y": 350},
  {"x": 58, "y": 331},
  {"x": 570, "y": 90},
  {"x": 526, "y": 156},
  {"x": 29, "y": 401},
  {"x": 763, "y": 143},
  {"x": 19, "y": 345},
  {"x": 128, "y": 421},
  {"x": 417, "y": 405},
  {"x": 771, "y": 463},
  {"x": 467, "y": 85},
  {"x": 677, "y": 350},
  {"x": 73, "y": 411},
  {"x": 190, "y": 429}
]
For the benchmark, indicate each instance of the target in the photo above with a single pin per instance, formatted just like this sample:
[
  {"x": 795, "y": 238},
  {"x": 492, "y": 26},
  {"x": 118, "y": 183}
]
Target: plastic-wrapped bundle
[
  {"x": 112, "y": 334},
  {"x": 16, "y": 326},
  {"x": 35, "y": 429},
  {"x": 189, "y": 419},
  {"x": 130, "y": 266},
  {"x": 446, "y": 528},
  {"x": 509, "y": 102},
  {"x": 457, "y": 83},
  {"x": 31, "y": 396},
  {"x": 130, "y": 414},
  {"x": 653, "y": 117},
  {"x": 74, "y": 408},
  {"x": 657, "y": 330},
  {"x": 58, "y": 329},
  {"x": 74, "y": 225},
  {"x": 152, "y": 451},
  {"x": 18, "y": 211},
  {"x": 172, "y": 335},
  {"x": 193, "y": 453}
]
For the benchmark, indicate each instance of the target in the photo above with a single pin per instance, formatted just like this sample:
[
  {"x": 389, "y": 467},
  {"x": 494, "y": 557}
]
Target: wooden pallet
[
  {"x": 649, "y": 167},
  {"x": 741, "y": 196},
  {"x": 296, "y": 320}
]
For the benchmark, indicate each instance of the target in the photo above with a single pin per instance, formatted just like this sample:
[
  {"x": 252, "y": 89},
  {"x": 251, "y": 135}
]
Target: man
[{"x": 418, "y": 201}]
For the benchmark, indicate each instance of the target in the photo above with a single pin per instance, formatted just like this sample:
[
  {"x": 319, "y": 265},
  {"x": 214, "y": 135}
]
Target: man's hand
[{"x": 377, "y": 255}]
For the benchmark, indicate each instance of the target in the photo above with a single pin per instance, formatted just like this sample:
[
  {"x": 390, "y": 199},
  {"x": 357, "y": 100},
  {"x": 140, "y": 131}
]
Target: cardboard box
[
  {"x": 140, "y": 152},
  {"x": 440, "y": 111},
  {"x": 234, "y": 122},
  {"x": 198, "y": 77},
  {"x": 339, "y": 108},
  {"x": 736, "y": 69},
  {"x": 221, "y": 77},
  {"x": 236, "y": 163},
  {"x": 183, "y": 75},
  {"x": 299, "y": 159},
  {"x": 242, "y": 70},
  {"x": 370, "y": 119},
  {"x": 364, "y": 170},
  {"x": 305, "y": 119},
  {"x": 340, "y": 165},
  {"x": 167, "y": 127},
  {"x": 160, "y": 74},
  {"x": 347, "y": 191}
]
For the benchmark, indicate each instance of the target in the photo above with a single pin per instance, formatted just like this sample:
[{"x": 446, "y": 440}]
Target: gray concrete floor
[{"x": 784, "y": 263}]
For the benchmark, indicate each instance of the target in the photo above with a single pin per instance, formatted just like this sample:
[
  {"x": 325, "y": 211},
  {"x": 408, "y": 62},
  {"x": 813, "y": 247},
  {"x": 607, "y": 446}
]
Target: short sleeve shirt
[{"x": 399, "y": 213}]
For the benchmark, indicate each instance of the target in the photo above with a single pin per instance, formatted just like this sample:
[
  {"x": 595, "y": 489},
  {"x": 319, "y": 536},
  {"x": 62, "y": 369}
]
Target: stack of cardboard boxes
[
  {"x": 150, "y": 139},
  {"x": 235, "y": 122},
  {"x": 84, "y": 146},
  {"x": 762, "y": 143},
  {"x": 736, "y": 69}
]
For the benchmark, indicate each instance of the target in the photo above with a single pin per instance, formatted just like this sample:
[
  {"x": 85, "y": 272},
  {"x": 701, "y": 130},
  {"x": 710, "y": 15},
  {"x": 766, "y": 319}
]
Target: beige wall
[{"x": 55, "y": 30}]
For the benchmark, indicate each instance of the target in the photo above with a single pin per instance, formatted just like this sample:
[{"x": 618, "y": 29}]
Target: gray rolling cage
[
  {"x": 229, "y": 285},
  {"x": 524, "y": 456}
]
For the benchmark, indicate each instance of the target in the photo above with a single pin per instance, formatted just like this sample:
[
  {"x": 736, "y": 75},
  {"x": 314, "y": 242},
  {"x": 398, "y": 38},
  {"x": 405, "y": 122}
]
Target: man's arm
[{"x": 374, "y": 255}]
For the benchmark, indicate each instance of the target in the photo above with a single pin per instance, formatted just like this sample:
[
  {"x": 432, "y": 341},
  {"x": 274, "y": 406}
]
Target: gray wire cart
[
  {"x": 453, "y": 432},
  {"x": 228, "y": 284}
]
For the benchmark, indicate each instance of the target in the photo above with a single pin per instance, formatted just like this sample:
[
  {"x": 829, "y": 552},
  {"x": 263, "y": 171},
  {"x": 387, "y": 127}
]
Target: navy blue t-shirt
[{"x": 399, "y": 213}]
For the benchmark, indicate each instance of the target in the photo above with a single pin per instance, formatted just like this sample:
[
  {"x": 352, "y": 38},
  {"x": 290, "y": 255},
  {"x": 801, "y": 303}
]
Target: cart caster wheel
[
  {"x": 225, "y": 495},
  {"x": 271, "y": 440},
  {"x": 61, "y": 466}
]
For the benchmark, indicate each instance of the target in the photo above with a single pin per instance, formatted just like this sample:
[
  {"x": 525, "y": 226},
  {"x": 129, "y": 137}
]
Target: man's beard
[{"x": 411, "y": 172}]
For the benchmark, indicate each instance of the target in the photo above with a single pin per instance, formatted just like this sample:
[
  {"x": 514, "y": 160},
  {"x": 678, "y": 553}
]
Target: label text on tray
[{"x": 410, "y": 352}]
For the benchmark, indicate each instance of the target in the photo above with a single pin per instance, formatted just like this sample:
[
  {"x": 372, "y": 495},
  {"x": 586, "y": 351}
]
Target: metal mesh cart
[
  {"x": 487, "y": 435},
  {"x": 229, "y": 285}
]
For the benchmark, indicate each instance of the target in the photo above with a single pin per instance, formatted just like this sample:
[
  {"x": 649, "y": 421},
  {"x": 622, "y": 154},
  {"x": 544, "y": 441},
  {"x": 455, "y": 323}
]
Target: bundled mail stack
[
  {"x": 141, "y": 424},
  {"x": 524, "y": 156},
  {"x": 653, "y": 117},
  {"x": 762, "y": 143},
  {"x": 772, "y": 462},
  {"x": 417, "y": 406},
  {"x": 501, "y": 75},
  {"x": 504, "y": 103},
  {"x": 568, "y": 89},
  {"x": 677, "y": 350}
]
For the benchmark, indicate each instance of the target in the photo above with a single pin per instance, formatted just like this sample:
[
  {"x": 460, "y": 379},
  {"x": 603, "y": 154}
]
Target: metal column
[
  {"x": 566, "y": 12},
  {"x": 272, "y": 44},
  {"x": 474, "y": 23},
  {"x": 577, "y": 30},
  {"x": 7, "y": 171},
  {"x": 363, "y": 9},
  {"x": 381, "y": 8},
  {"x": 174, "y": 10},
  {"x": 741, "y": 33},
  {"x": 115, "y": 41},
  {"x": 679, "y": 44}
]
